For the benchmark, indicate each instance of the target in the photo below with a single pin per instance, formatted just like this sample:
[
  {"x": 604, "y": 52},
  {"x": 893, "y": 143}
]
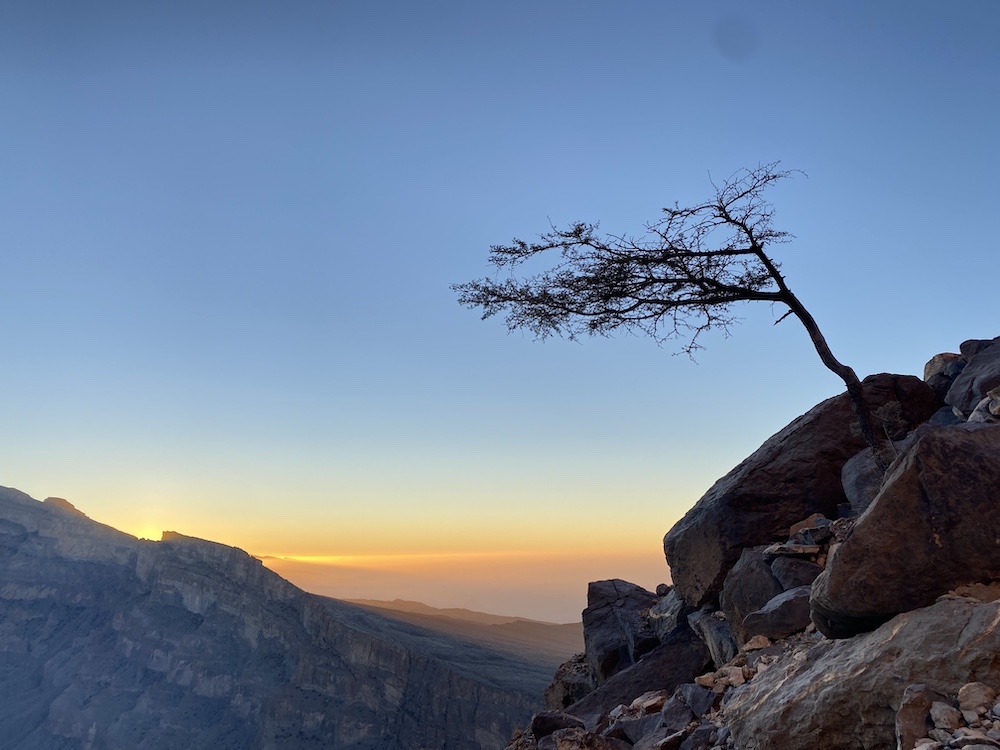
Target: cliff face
[
  {"x": 111, "y": 642},
  {"x": 824, "y": 599}
]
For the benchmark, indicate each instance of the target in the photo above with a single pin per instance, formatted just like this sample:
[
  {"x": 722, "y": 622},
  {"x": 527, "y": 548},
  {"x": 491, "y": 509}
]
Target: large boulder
[
  {"x": 669, "y": 615},
  {"x": 749, "y": 586},
  {"x": 713, "y": 629},
  {"x": 930, "y": 529},
  {"x": 862, "y": 477},
  {"x": 785, "y": 614},
  {"x": 941, "y": 370},
  {"x": 846, "y": 693},
  {"x": 980, "y": 375},
  {"x": 616, "y": 626},
  {"x": 793, "y": 474}
]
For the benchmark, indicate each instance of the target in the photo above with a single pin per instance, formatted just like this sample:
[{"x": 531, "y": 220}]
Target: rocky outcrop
[
  {"x": 906, "y": 583},
  {"x": 108, "y": 642},
  {"x": 846, "y": 693},
  {"x": 981, "y": 374},
  {"x": 786, "y": 613},
  {"x": 929, "y": 530},
  {"x": 793, "y": 474},
  {"x": 749, "y": 586},
  {"x": 674, "y": 662},
  {"x": 941, "y": 370},
  {"x": 616, "y": 627}
]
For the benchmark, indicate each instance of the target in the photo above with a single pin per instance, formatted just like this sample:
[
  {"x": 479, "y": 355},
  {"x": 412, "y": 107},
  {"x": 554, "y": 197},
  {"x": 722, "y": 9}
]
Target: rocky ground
[{"x": 818, "y": 600}]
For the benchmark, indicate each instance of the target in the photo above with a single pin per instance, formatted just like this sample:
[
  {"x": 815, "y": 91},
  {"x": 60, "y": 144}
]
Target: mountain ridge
[{"x": 112, "y": 642}]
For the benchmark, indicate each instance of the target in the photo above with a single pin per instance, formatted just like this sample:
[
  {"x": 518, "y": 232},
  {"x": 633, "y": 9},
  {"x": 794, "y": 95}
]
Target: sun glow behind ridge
[{"x": 538, "y": 585}]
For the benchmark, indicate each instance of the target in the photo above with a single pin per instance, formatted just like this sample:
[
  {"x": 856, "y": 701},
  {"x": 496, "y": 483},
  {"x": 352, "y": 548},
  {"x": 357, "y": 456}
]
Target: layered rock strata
[{"x": 112, "y": 643}]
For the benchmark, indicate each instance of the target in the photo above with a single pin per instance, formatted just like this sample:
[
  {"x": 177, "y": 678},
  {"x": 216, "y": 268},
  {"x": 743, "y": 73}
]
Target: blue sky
[{"x": 229, "y": 234}]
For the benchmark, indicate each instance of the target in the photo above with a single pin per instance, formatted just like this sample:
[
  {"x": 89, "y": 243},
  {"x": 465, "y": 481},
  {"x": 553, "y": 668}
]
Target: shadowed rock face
[
  {"x": 110, "y": 642},
  {"x": 616, "y": 627},
  {"x": 843, "y": 695},
  {"x": 931, "y": 528},
  {"x": 979, "y": 376},
  {"x": 794, "y": 474}
]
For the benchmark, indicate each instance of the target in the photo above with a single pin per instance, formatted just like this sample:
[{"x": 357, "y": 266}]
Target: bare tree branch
[{"x": 678, "y": 279}]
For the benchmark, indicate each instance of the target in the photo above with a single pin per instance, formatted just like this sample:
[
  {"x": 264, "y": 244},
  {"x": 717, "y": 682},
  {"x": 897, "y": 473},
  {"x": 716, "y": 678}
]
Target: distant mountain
[
  {"x": 109, "y": 642},
  {"x": 457, "y": 613},
  {"x": 544, "y": 642}
]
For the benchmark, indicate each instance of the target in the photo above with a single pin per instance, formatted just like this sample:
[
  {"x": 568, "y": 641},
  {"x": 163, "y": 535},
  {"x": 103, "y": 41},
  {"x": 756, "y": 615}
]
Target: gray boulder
[
  {"x": 714, "y": 631},
  {"x": 847, "y": 692},
  {"x": 862, "y": 477},
  {"x": 669, "y": 615},
  {"x": 793, "y": 474},
  {"x": 980, "y": 375},
  {"x": 792, "y": 572},
  {"x": 785, "y": 614},
  {"x": 913, "y": 714},
  {"x": 971, "y": 347},
  {"x": 987, "y": 410},
  {"x": 931, "y": 528},
  {"x": 676, "y": 714},
  {"x": 748, "y": 587},
  {"x": 942, "y": 369},
  {"x": 616, "y": 626}
]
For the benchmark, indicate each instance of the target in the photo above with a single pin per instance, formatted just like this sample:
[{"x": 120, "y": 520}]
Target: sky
[{"x": 229, "y": 232}]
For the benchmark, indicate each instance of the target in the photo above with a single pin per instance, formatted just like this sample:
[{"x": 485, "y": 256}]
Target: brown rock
[
  {"x": 944, "y": 715},
  {"x": 912, "y": 716},
  {"x": 972, "y": 695},
  {"x": 810, "y": 694},
  {"x": 793, "y": 474},
  {"x": 923, "y": 536},
  {"x": 942, "y": 362},
  {"x": 650, "y": 701},
  {"x": 756, "y": 643},
  {"x": 815, "y": 521}
]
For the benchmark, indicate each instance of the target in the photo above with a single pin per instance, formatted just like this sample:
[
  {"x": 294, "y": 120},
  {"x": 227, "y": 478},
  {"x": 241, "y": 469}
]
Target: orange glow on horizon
[{"x": 544, "y": 585}]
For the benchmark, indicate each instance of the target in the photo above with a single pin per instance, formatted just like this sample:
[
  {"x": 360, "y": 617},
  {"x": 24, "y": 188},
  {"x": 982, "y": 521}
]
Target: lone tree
[{"x": 678, "y": 279}]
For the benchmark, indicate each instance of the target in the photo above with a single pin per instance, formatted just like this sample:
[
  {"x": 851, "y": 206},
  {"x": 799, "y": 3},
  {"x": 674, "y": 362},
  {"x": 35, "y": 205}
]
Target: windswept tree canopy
[
  {"x": 678, "y": 279},
  {"x": 681, "y": 277}
]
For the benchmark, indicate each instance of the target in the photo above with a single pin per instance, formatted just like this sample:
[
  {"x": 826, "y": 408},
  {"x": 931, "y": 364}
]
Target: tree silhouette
[{"x": 678, "y": 279}]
